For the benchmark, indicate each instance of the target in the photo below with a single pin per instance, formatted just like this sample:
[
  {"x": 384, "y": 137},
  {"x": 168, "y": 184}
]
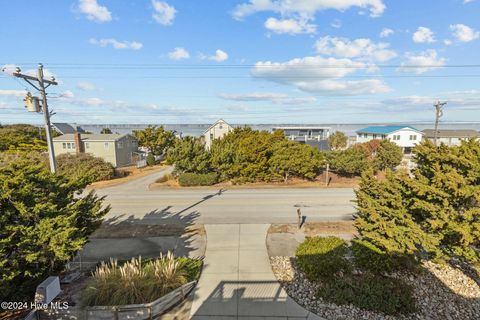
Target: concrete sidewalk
[{"x": 237, "y": 281}]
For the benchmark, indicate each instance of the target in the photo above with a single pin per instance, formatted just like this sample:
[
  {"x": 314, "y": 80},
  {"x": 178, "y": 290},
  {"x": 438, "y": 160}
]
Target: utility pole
[
  {"x": 42, "y": 85},
  {"x": 438, "y": 114}
]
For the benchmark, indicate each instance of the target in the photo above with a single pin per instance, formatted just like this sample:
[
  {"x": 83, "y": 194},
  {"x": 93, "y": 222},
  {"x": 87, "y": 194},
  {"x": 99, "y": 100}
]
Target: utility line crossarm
[{"x": 40, "y": 84}]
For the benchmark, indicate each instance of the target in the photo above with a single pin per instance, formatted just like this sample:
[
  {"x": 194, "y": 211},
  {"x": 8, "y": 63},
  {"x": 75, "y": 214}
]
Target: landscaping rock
[{"x": 441, "y": 292}]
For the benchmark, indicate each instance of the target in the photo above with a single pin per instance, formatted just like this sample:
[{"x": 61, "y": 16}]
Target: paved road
[{"x": 134, "y": 201}]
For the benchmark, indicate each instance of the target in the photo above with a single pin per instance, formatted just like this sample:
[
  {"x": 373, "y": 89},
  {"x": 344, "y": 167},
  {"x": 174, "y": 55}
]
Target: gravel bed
[{"x": 441, "y": 292}]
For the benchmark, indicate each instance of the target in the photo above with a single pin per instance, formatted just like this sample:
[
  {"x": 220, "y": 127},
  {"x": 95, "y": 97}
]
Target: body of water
[{"x": 198, "y": 129}]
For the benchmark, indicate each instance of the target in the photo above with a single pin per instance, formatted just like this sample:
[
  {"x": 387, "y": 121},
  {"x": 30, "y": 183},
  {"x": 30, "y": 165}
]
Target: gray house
[
  {"x": 450, "y": 137},
  {"x": 316, "y": 137},
  {"x": 118, "y": 149}
]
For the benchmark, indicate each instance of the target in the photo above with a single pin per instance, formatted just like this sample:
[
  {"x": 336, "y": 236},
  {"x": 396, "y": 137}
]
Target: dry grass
[
  {"x": 136, "y": 281},
  {"x": 312, "y": 229}
]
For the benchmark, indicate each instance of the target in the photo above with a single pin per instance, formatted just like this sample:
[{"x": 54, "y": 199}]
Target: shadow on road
[{"x": 207, "y": 197}]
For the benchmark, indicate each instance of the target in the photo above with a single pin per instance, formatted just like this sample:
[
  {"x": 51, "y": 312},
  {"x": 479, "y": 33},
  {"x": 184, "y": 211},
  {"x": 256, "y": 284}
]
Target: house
[
  {"x": 405, "y": 137},
  {"x": 216, "y": 131},
  {"x": 315, "y": 136},
  {"x": 67, "y": 128},
  {"x": 118, "y": 149},
  {"x": 450, "y": 137}
]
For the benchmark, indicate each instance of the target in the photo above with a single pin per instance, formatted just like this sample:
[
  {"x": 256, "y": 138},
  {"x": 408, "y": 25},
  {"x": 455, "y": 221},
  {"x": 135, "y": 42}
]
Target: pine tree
[{"x": 43, "y": 223}]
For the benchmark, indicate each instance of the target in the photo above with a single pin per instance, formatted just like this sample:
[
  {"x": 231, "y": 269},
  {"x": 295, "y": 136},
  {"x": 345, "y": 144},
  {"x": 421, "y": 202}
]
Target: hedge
[
  {"x": 189, "y": 179},
  {"x": 322, "y": 257}
]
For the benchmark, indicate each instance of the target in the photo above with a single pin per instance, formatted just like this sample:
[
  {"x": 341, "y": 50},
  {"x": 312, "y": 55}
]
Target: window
[
  {"x": 374, "y": 136},
  {"x": 120, "y": 145},
  {"x": 396, "y": 137},
  {"x": 87, "y": 145},
  {"x": 64, "y": 145},
  {"x": 384, "y": 136},
  {"x": 365, "y": 135},
  {"x": 105, "y": 145},
  {"x": 413, "y": 137},
  {"x": 69, "y": 145},
  {"x": 220, "y": 126},
  {"x": 211, "y": 136}
]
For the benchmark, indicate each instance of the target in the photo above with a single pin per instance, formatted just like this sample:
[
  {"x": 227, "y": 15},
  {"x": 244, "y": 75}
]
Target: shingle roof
[
  {"x": 66, "y": 128},
  {"x": 430, "y": 133},
  {"x": 91, "y": 137},
  {"x": 383, "y": 129}
]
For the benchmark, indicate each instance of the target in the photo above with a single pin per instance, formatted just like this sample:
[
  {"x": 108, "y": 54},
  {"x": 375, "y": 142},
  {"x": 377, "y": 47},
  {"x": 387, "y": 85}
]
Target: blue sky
[{"x": 247, "y": 61}]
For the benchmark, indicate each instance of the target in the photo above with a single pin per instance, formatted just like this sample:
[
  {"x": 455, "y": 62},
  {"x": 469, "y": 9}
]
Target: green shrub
[
  {"x": 322, "y": 257},
  {"x": 369, "y": 257},
  {"x": 84, "y": 168},
  {"x": 137, "y": 281},
  {"x": 150, "y": 159},
  {"x": 188, "y": 179},
  {"x": 371, "y": 292}
]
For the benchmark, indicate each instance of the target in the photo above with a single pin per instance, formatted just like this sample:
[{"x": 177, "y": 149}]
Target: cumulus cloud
[
  {"x": 94, "y": 11},
  {"x": 305, "y": 8},
  {"x": 423, "y": 35},
  {"x": 163, "y": 12},
  {"x": 289, "y": 26},
  {"x": 422, "y": 62},
  {"x": 464, "y": 33},
  {"x": 386, "y": 32},
  {"x": 359, "y": 48},
  {"x": 274, "y": 97},
  {"x": 134, "y": 45},
  {"x": 319, "y": 75},
  {"x": 465, "y": 98},
  {"x": 85, "y": 86},
  {"x": 179, "y": 54},
  {"x": 219, "y": 56}
]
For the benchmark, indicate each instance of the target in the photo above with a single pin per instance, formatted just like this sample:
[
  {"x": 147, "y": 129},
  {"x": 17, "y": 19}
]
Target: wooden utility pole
[
  {"x": 438, "y": 114},
  {"x": 42, "y": 85}
]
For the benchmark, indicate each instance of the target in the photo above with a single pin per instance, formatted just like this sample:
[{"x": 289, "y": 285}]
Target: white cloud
[
  {"x": 423, "y": 35},
  {"x": 464, "y": 98},
  {"x": 289, "y": 26},
  {"x": 464, "y": 33},
  {"x": 67, "y": 94},
  {"x": 179, "y": 54},
  {"x": 219, "y": 56},
  {"x": 422, "y": 62},
  {"x": 134, "y": 45},
  {"x": 85, "y": 86},
  {"x": 319, "y": 75},
  {"x": 13, "y": 93},
  {"x": 467, "y": 1},
  {"x": 386, "y": 32},
  {"x": 358, "y": 48},
  {"x": 306, "y": 8},
  {"x": 274, "y": 97},
  {"x": 94, "y": 11},
  {"x": 164, "y": 13}
]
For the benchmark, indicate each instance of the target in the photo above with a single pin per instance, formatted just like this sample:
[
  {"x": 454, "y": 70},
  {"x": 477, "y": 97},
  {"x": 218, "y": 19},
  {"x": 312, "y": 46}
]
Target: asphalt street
[{"x": 134, "y": 201}]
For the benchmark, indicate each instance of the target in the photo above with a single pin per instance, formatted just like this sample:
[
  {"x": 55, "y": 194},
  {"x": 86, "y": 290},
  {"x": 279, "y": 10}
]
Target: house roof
[
  {"x": 430, "y": 133},
  {"x": 301, "y": 128},
  {"x": 66, "y": 128},
  {"x": 215, "y": 123},
  {"x": 92, "y": 137},
  {"x": 384, "y": 129}
]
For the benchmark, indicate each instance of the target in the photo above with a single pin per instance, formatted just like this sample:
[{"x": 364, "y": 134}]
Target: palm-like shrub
[{"x": 137, "y": 281}]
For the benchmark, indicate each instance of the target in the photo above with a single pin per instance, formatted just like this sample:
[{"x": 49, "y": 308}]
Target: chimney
[{"x": 77, "y": 138}]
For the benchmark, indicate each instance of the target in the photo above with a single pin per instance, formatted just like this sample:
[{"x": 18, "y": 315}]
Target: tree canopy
[
  {"x": 22, "y": 137},
  {"x": 43, "y": 223},
  {"x": 106, "y": 131},
  {"x": 434, "y": 213},
  {"x": 157, "y": 140},
  {"x": 337, "y": 140}
]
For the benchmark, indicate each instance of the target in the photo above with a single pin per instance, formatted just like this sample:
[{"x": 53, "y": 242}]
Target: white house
[
  {"x": 451, "y": 137},
  {"x": 216, "y": 131},
  {"x": 405, "y": 137}
]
